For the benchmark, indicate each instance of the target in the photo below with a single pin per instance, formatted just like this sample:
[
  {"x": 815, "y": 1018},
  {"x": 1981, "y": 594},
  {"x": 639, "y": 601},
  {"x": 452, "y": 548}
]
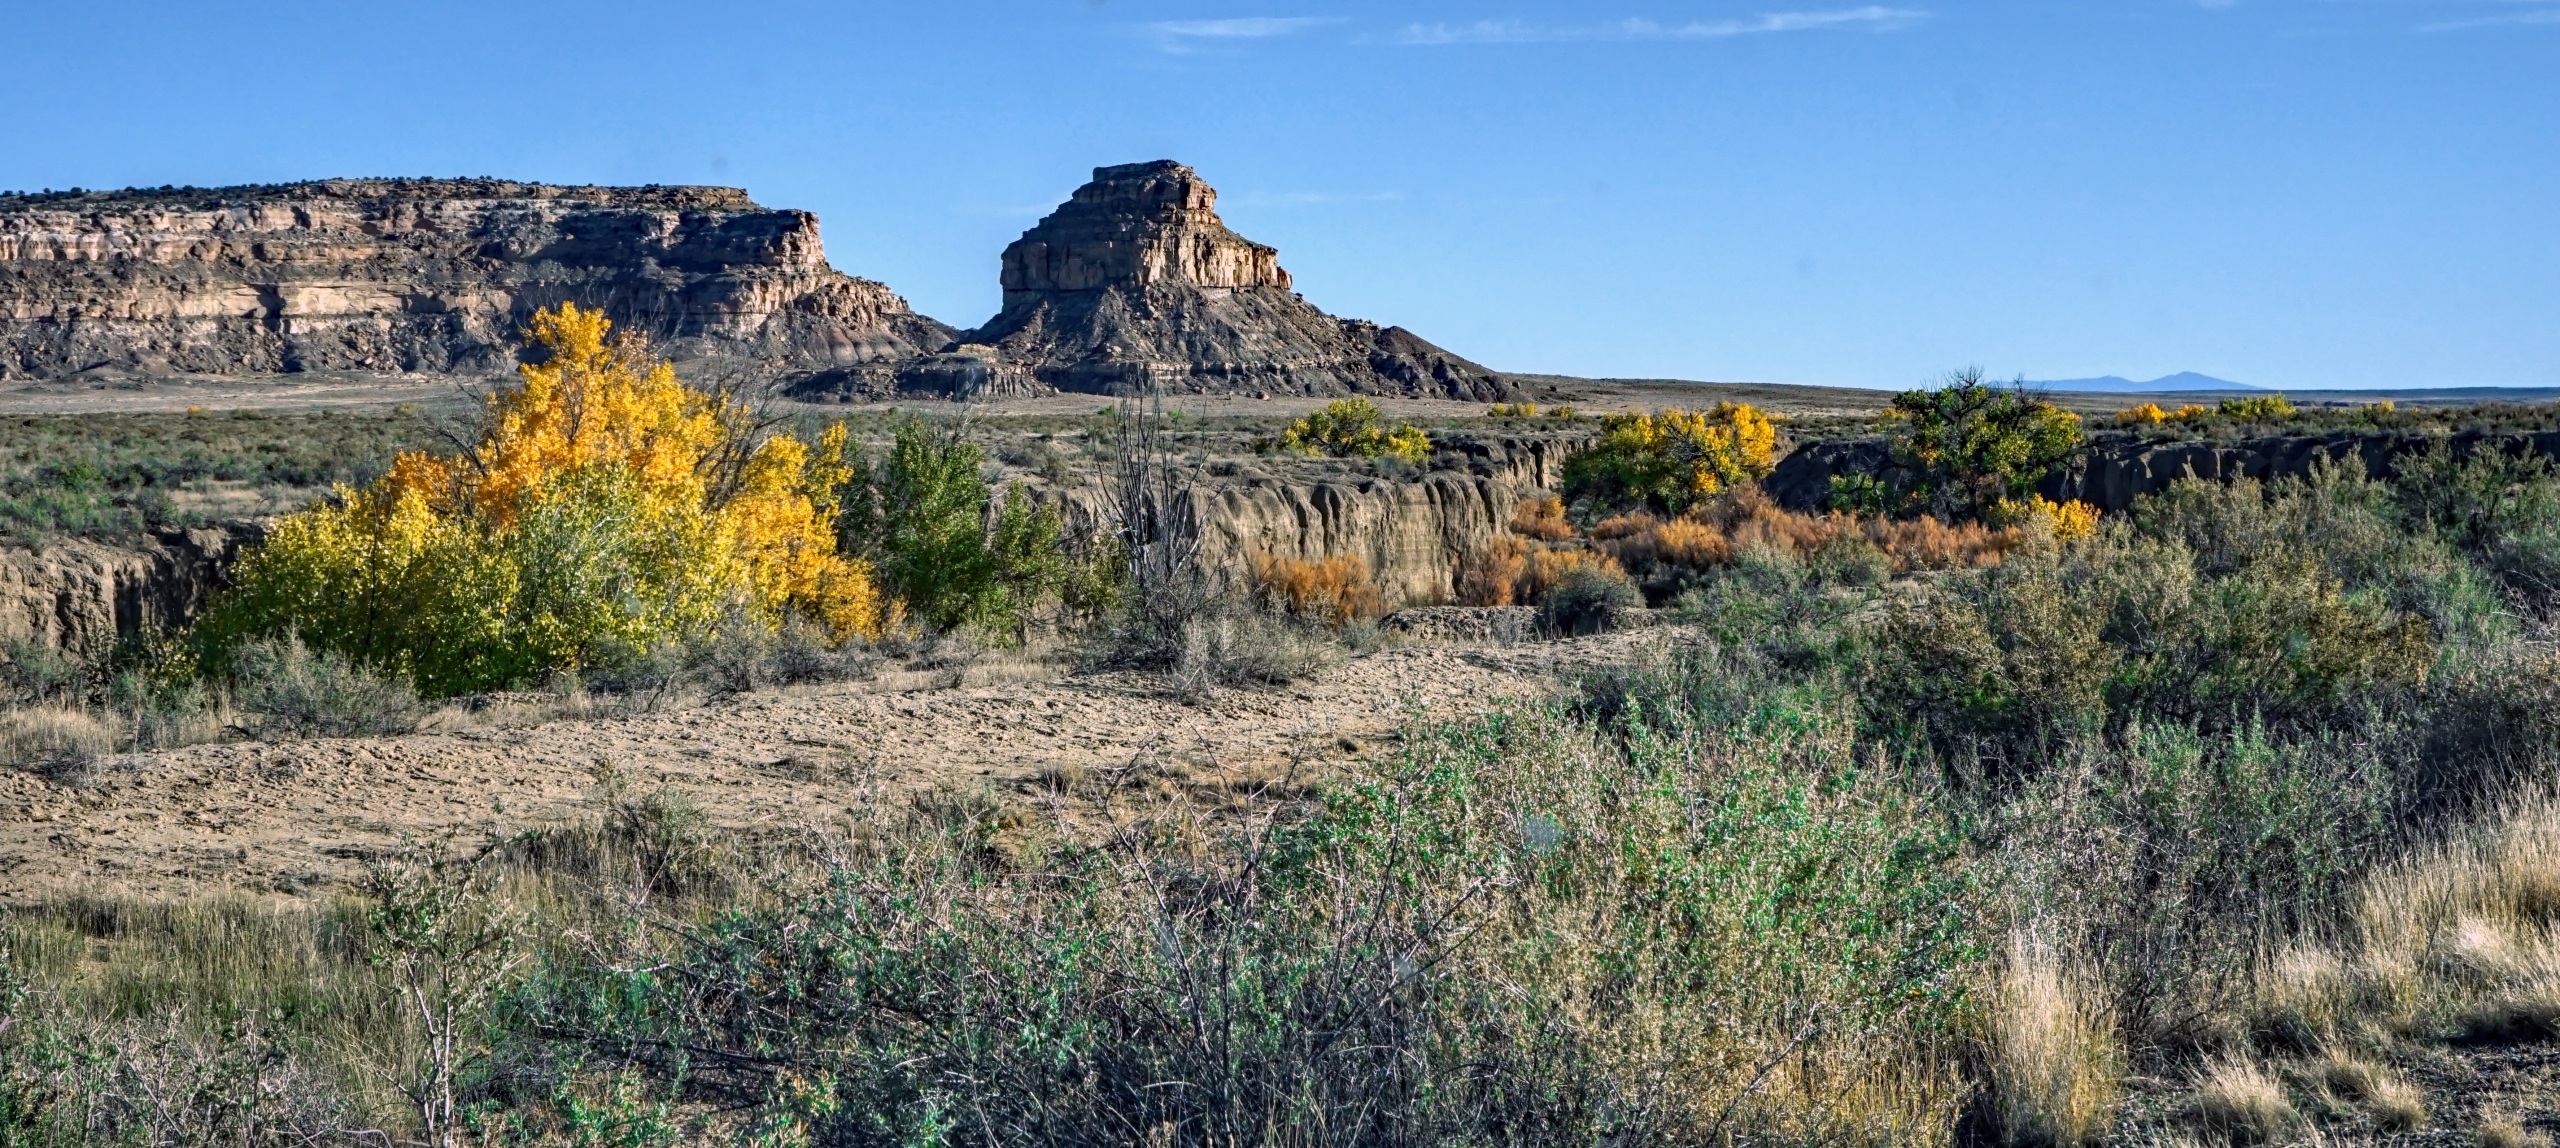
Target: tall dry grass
[{"x": 2052, "y": 1060}]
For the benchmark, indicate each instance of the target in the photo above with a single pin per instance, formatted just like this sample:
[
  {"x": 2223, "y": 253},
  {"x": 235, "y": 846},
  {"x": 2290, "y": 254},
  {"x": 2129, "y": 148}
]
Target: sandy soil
[{"x": 298, "y": 817}]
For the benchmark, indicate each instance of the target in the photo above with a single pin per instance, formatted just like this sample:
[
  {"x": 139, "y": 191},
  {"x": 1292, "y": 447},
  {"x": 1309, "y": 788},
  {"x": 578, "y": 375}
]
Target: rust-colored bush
[
  {"x": 1521, "y": 566},
  {"x": 1924, "y": 543},
  {"x": 1547, "y": 567},
  {"x": 1335, "y": 589},
  {"x": 1491, "y": 576},
  {"x": 1542, "y": 519},
  {"x": 1515, "y": 571},
  {"x": 1640, "y": 542}
]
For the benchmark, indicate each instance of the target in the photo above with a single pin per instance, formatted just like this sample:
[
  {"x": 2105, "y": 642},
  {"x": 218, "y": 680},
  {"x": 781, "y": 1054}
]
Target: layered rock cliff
[
  {"x": 429, "y": 275},
  {"x": 1135, "y": 281},
  {"x": 1413, "y": 532},
  {"x": 84, "y": 597}
]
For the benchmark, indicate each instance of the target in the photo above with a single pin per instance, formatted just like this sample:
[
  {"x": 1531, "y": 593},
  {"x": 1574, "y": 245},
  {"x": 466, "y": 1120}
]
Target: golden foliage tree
[
  {"x": 605, "y": 509},
  {"x": 1675, "y": 459}
]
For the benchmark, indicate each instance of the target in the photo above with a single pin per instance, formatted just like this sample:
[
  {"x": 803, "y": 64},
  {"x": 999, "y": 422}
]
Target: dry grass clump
[
  {"x": 1334, "y": 589},
  {"x": 1924, "y": 543},
  {"x": 2461, "y": 938},
  {"x": 2238, "y": 1098},
  {"x": 2394, "y": 1104},
  {"x": 2302, "y": 997},
  {"x": 2054, "y": 1063},
  {"x": 1656, "y": 549},
  {"x": 2506, "y": 1131},
  {"x": 45, "y": 734}
]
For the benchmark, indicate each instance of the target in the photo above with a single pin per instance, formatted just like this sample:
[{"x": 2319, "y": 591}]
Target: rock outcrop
[
  {"x": 431, "y": 275},
  {"x": 1414, "y": 533},
  {"x": 1135, "y": 281},
  {"x": 84, "y": 597}
]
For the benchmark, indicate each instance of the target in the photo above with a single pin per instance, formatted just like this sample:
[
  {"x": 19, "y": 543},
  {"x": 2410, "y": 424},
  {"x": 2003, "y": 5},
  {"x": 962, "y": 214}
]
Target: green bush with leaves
[
  {"x": 2256, "y": 408},
  {"x": 942, "y": 545},
  {"x": 1963, "y": 448},
  {"x": 1355, "y": 428},
  {"x": 1513, "y": 932}
]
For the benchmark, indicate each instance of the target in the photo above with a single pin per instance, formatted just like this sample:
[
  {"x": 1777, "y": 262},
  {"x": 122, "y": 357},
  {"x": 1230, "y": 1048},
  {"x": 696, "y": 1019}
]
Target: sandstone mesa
[{"x": 1133, "y": 281}]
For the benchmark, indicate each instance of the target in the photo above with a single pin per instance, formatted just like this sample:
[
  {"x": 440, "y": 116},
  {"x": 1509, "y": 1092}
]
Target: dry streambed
[{"x": 299, "y": 817}]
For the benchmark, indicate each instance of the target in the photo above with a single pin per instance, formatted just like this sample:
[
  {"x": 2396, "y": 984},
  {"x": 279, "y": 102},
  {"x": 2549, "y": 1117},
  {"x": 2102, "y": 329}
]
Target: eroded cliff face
[
  {"x": 1413, "y": 532},
  {"x": 1135, "y": 282},
  {"x": 84, "y": 597},
  {"x": 2115, "y": 470},
  {"x": 422, "y": 275}
]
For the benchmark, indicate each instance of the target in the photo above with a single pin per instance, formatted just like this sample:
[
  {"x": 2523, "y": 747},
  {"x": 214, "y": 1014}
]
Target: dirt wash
[{"x": 301, "y": 817}]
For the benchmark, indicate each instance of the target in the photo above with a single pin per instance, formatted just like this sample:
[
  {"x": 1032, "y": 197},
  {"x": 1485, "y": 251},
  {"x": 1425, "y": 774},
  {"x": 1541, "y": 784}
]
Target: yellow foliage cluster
[
  {"x": 1674, "y": 458},
  {"x": 606, "y": 508},
  {"x": 1514, "y": 411},
  {"x": 1355, "y": 428},
  {"x": 2068, "y": 520},
  {"x": 2150, "y": 413}
]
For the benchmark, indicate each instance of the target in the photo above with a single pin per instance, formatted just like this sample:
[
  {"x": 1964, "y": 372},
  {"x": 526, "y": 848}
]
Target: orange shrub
[
  {"x": 1516, "y": 570},
  {"x": 1640, "y": 542},
  {"x": 1924, "y": 543},
  {"x": 1542, "y": 519},
  {"x": 1548, "y": 566},
  {"x": 1491, "y": 576},
  {"x": 1335, "y": 589}
]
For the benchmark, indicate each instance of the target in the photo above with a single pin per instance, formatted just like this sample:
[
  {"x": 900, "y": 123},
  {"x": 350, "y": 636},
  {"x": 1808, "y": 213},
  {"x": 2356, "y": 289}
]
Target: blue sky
[{"x": 2289, "y": 193}]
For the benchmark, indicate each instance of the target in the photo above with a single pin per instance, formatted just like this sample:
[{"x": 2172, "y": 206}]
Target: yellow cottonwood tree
[{"x": 605, "y": 509}]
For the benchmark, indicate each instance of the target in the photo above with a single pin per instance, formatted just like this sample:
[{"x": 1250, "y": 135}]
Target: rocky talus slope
[
  {"x": 430, "y": 275},
  {"x": 1135, "y": 281}
]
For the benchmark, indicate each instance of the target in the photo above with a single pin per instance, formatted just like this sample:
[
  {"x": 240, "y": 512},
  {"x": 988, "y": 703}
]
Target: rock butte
[{"x": 1133, "y": 280}]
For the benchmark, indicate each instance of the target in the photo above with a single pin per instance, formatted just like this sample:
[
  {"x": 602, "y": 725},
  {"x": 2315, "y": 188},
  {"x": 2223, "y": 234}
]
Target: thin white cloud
[
  {"x": 1873, "y": 18},
  {"x": 1187, "y": 35},
  {"x": 1312, "y": 198},
  {"x": 2509, "y": 19}
]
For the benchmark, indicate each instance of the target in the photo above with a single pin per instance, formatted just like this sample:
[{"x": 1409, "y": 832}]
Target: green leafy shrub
[
  {"x": 2256, "y": 408},
  {"x": 1355, "y": 428},
  {"x": 922, "y": 516},
  {"x": 1964, "y": 447},
  {"x": 1673, "y": 459},
  {"x": 1511, "y": 932},
  {"x": 1590, "y": 599},
  {"x": 287, "y": 690}
]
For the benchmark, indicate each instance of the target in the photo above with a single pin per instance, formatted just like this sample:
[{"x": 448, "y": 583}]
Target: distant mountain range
[{"x": 2182, "y": 381}]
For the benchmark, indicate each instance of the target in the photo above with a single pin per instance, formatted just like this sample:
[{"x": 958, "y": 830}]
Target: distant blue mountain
[{"x": 2182, "y": 381}]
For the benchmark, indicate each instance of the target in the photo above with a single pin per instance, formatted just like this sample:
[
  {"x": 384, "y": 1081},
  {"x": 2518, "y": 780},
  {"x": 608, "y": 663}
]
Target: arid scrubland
[{"x": 1946, "y": 815}]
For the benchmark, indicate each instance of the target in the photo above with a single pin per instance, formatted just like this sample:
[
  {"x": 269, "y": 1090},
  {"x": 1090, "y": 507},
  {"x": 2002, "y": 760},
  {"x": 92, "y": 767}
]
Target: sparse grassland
[
  {"x": 110, "y": 476},
  {"x": 2222, "y": 821}
]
